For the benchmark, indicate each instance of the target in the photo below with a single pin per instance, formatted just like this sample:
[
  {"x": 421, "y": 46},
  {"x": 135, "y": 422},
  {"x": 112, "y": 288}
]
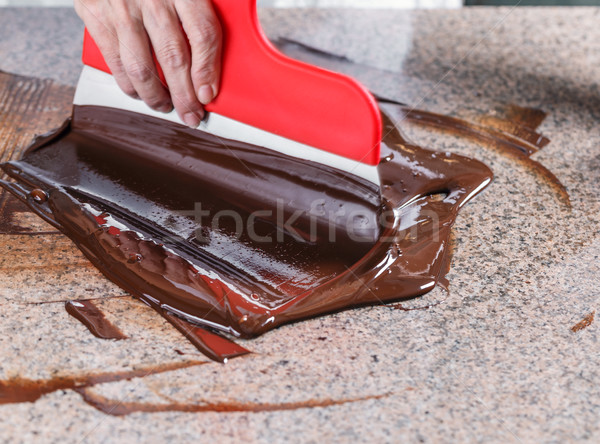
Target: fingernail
[
  {"x": 191, "y": 119},
  {"x": 166, "y": 108},
  {"x": 205, "y": 94}
]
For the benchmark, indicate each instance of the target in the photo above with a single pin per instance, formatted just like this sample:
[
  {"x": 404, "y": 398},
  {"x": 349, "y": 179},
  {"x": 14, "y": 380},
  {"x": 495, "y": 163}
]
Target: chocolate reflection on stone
[
  {"x": 86, "y": 312},
  {"x": 519, "y": 121},
  {"x": 120, "y": 184},
  {"x": 9, "y": 206}
]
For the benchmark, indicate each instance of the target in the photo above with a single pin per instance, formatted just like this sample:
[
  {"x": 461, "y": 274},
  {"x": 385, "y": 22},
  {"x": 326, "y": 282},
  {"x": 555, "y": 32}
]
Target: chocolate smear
[
  {"x": 117, "y": 408},
  {"x": 584, "y": 323},
  {"x": 19, "y": 389},
  {"x": 28, "y": 105},
  {"x": 212, "y": 345},
  {"x": 89, "y": 315}
]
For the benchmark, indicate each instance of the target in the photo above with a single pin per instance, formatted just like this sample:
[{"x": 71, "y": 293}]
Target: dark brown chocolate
[
  {"x": 88, "y": 314},
  {"x": 127, "y": 188},
  {"x": 211, "y": 345}
]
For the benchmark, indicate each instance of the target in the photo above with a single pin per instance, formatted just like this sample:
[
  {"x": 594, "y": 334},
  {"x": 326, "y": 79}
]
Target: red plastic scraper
[{"x": 267, "y": 99}]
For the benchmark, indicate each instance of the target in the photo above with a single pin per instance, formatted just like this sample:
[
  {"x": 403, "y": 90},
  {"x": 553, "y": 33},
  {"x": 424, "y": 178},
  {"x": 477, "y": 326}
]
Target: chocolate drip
[
  {"x": 89, "y": 315},
  {"x": 128, "y": 196},
  {"x": 212, "y": 345}
]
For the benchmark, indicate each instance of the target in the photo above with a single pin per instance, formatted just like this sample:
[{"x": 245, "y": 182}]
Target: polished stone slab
[{"x": 496, "y": 360}]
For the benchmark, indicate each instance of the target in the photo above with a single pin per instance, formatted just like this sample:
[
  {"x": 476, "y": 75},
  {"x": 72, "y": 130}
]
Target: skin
[{"x": 127, "y": 30}]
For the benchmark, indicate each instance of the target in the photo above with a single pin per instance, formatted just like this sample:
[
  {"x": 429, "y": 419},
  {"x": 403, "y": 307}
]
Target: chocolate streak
[
  {"x": 111, "y": 407},
  {"x": 89, "y": 315},
  {"x": 124, "y": 187},
  {"x": 17, "y": 390},
  {"x": 520, "y": 144},
  {"x": 211, "y": 345}
]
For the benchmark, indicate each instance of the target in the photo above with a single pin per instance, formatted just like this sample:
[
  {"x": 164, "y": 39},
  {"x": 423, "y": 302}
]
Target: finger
[
  {"x": 134, "y": 50},
  {"x": 109, "y": 47},
  {"x": 173, "y": 55},
  {"x": 105, "y": 36},
  {"x": 204, "y": 34}
]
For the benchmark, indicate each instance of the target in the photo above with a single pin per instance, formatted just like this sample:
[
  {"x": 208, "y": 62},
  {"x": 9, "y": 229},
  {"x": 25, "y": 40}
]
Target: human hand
[{"x": 125, "y": 31}]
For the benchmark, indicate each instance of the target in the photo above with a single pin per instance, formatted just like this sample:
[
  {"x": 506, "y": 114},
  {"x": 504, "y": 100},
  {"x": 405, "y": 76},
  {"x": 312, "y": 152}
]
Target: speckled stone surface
[{"x": 495, "y": 361}]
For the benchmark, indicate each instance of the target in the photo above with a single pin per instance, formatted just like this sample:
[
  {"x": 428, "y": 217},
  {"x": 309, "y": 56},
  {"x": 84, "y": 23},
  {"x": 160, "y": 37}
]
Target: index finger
[{"x": 173, "y": 56}]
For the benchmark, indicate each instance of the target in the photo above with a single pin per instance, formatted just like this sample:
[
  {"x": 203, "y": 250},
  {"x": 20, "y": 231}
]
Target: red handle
[{"x": 263, "y": 88}]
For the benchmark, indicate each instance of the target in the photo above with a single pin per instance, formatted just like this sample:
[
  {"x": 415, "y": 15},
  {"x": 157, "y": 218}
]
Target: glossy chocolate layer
[
  {"x": 130, "y": 190},
  {"x": 89, "y": 315},
  {"x": 210, "y": 344}
]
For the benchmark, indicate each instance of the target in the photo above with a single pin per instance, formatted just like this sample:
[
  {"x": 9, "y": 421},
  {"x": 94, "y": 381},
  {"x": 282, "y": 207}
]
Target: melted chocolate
[
  {"x": 584, "y": 323},
  {"x": 513, "y": 139},
  {"x": 19, "y": 390},
  {"x": 118, "y": 408},
  {"x": 29, "y": 390},
  {"x": 10, "y": 210},
  {"x": 126, "y": 189},
  {"x": 211, "y": 345},
  {"x": 510, "y": 144},
  {"x": 89, "y": 315}
]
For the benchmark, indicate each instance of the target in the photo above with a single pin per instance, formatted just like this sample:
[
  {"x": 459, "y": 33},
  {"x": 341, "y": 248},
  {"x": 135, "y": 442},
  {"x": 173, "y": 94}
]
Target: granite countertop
[{"x": 508, "y": 353}]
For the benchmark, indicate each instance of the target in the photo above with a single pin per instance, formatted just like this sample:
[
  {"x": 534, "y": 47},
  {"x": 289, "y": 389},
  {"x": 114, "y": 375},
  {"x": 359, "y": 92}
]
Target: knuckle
[
  {"x": 207, "y": 33},
  {"x": 156, "y": 8},
  {"x": 139, "y": 72},
  {"x": 156, "y": 98},
  {"x": 128, "y": 25},
  {"x": 113, "y": 60},
  {"x": 173, "y": 56},
  {"x": 205, "y": 64},
  {"x": 204, "y": 72}
]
